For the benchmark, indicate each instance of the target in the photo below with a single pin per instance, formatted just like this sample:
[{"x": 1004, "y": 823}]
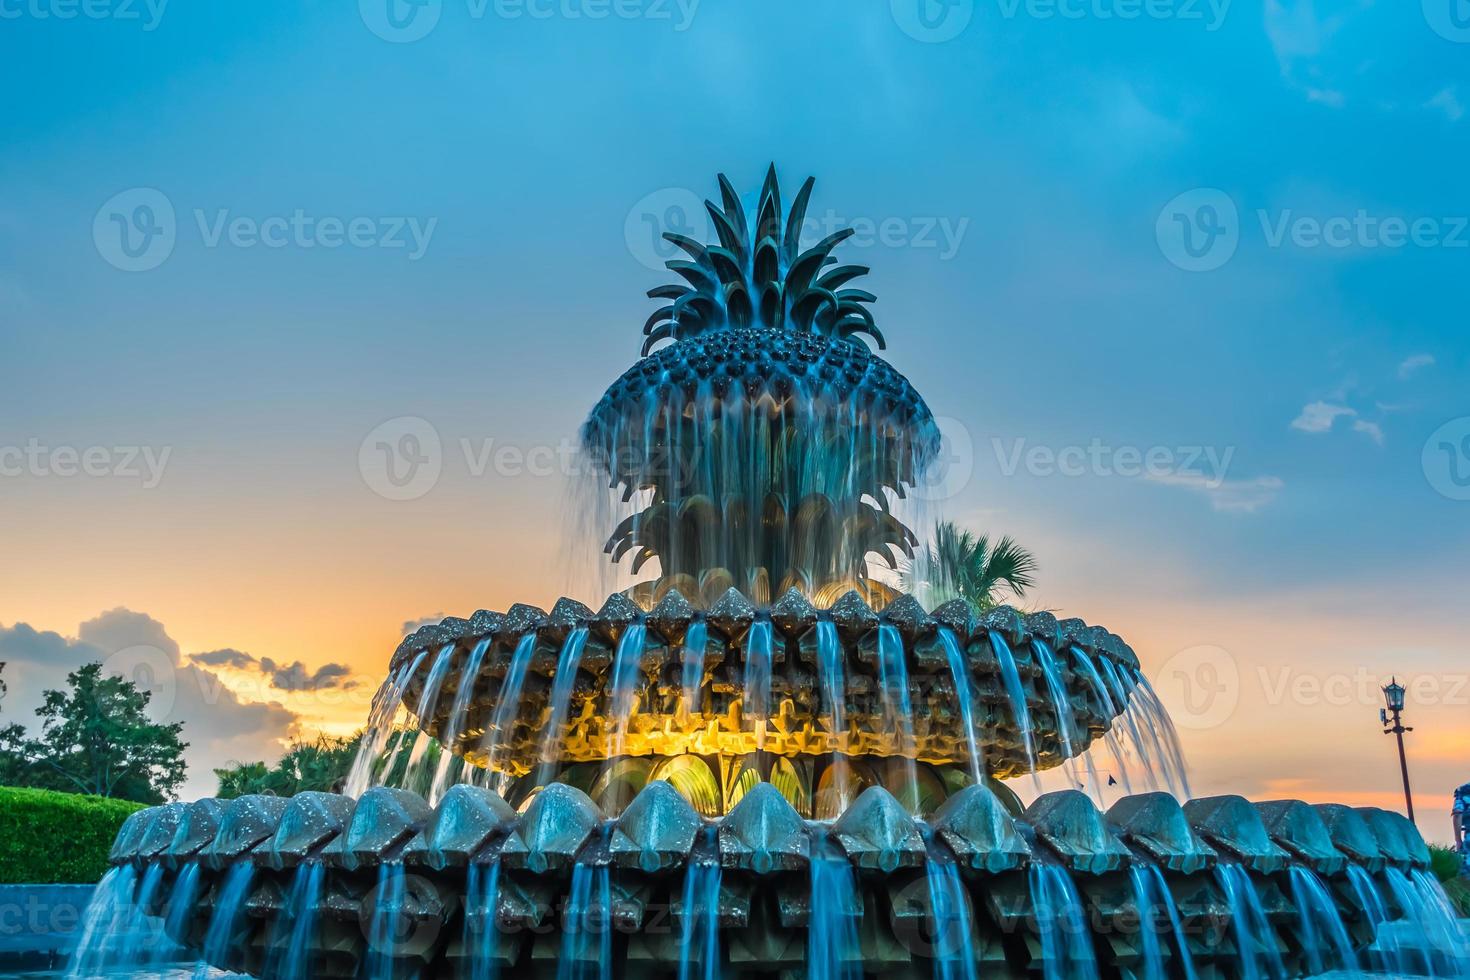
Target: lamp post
[{"x": 1393, "y": 694}]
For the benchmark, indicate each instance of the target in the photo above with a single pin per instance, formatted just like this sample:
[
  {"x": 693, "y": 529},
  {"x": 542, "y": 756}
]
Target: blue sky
[{"x": 1064, "y": 154}]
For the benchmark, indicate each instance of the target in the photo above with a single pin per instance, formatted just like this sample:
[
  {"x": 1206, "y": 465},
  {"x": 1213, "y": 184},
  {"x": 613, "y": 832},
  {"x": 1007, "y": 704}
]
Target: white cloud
[
  {"x": 1413, "y": 363},
  {"x": 1370, "y": 429},
  {"x": 1319, "y": 417},
  {"x": 1227, "y": 496},
  {"x": 219, "y": 727},
  {"x": 1447, "y": 100}
]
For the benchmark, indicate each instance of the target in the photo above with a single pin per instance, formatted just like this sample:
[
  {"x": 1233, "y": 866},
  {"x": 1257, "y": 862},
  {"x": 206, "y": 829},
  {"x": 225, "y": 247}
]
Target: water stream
[
  {"x": 893, "y": 680},
  {"x": 385, "y": 923},
  {"x": 1011, "y": 677},
  {"x": 1324, "y": 937},
  {"x": 562, "y": 685},
  {"x": 699, "y": 952},
  {"x": 229, "y": 910},
  {"x": 758, "y": 653},
  {"x": 696, "y": 643},
  {"x": 832, "y": 937},
  {"x": 953, "y": 940},
  {"x": 499, "y": 738},
  {"x": 960, "y": 672},
  {"x": 482, "y": 893},
  {"x": 586, "y": 942},
  {"x": 626, "y": 670},
  {"x": 1254, "y": 937},
  {"x": 1061, "y": 921},
  {"x": 834, "y": 695},
  {"x": 455, "y": 725},
  {"x": 386, "y": 704}
]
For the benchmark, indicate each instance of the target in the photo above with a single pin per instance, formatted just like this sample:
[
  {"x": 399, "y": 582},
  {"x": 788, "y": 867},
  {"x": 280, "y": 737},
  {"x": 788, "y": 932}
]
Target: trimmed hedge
[{"x": 49, "y": 838}]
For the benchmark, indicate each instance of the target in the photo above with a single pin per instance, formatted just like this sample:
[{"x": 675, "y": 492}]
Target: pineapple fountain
[{"x": 764, "y": 760}]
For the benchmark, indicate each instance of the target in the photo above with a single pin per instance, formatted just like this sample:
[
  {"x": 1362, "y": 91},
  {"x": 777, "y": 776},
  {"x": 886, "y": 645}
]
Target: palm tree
[{"x": 962, "y": 564}]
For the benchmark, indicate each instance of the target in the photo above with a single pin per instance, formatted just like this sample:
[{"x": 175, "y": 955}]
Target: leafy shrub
[{"x": 50, "y": 838}]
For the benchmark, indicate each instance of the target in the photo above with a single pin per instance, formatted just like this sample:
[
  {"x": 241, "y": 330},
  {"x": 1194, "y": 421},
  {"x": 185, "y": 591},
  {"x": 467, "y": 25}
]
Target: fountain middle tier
[{"x": 1026, "y": 691}]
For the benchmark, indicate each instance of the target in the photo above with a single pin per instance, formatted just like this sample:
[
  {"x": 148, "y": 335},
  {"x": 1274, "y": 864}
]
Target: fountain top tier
[{"x": 764, "y": 447}]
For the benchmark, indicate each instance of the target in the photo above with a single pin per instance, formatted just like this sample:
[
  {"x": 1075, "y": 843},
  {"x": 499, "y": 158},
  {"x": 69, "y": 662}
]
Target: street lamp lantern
[{"x": 1393, "y": 695}]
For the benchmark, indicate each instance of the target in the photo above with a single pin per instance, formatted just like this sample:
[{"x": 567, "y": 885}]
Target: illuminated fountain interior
[{"x": 763, "y": 758}]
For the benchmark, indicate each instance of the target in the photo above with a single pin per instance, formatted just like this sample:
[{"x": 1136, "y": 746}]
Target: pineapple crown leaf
[{"x": 759, "y": 276}]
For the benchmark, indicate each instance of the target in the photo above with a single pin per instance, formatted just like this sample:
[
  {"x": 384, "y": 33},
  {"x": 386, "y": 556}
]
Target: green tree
[
  {"x": 96, "y": 738},
  {"x": 320, "y": 766},
  {"x": 965, "y": 565}
]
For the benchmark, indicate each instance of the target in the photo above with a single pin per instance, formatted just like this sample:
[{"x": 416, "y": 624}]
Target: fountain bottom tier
[{"x": 387, "y": 886}]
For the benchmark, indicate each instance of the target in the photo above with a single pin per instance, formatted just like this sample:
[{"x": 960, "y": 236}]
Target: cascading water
[
  {"x": 953, "y": 941},
  {"x": 110, "y": 910},
  {"x": 1067, "y": 730},
  {"x": 1254, "y": 939},
  {"x": 758, "y": 655},
  {"x": 627, "y": 667},
  {"x": 893, "y": 681},
  {"x": 1151, "y": 771},
  {"x": 428, "y": 704},
  {"x": 834, "y": 695},
  {"x": 1163, "y": 733},
  {"x": 1384, "y": 952},
  {"x": 1115, "y": 748},
  {"x": 586, "y": 947},
  {"x": 380, "y": 726},
  {"x": 1066, "y": 940},
  {"x": 457, "y": 718},
  {"x": 1181, "y": 941},
  {"x": 500, "y": 736},
  {"x": 959, "y": 671},
  {"x": 832, "y": 951},
  {"x": 1441, "y": 921},
  {"x": 567, "y": 664},
  {"x": 1324, "y": 937},
  {"x": 482, "y": 897},
  {"x": 1148, "y": 933},
  {"x": 385, "y": 921},
  {"x": 181, "y": 905},
  {"x": 699, "y": 953},
  {"x": 1427, "y": 934},
  {"x": 691, "y": 674},
  {"x": 229, "y": 911},
  {"x": 1011, "y": 677},
  {"x": 294, "y": 929}
]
